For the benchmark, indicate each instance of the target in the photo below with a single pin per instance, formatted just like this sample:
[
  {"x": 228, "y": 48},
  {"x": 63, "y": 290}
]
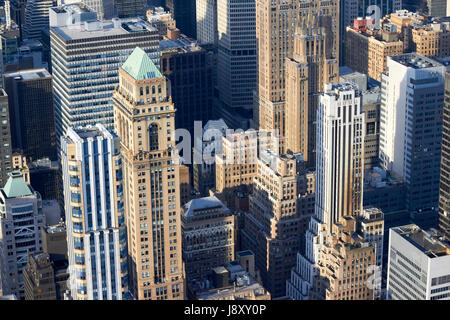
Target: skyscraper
[
  {"x": 84, "y": 79},
  {"x": 183, "y": 11},
  {"x": 444, "y": 189},
  {"x": 30, "y": 97},
  {"x": 412, "y": 98},
  {"x": 6, "y": 145},
  {"x": 206, "y": 16},
  {"x": 93, "y": 199},
  {"x": 336, "y": 242},
  {"x": 21, "y": 218},
  {"x": 275, "y": 27},
  {"x": 144, "y": 118},
  {"x": 272, "y": 225},
  {"x": 236, "y": 56},
  {"x": 189, "y": 70},
  {"x": 307, "y": 70},
  {"x": 36, "y": 18}
]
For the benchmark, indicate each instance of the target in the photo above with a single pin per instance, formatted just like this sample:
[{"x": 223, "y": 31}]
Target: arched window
[
  {"x": 153, "y": 136},
  {"x": 153, "y": 89},
  {"x": 141, "y": 91},
  {"x": 147, "y": 90}
]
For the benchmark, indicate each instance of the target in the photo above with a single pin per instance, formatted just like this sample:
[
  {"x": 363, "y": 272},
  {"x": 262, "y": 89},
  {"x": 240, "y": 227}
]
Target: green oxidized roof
[
  {"x": 140, "y": 66},
  {"x": 16, "y": 186}
]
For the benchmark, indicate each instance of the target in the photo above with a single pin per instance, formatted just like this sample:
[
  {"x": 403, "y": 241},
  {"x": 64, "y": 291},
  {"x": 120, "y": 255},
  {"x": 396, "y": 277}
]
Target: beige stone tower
[
  {"x": 144, "y": 118},
  {"x": 275, "y": 28},
  {"x": 310, "y": 67},
  {"x": 275, "y": 221}
]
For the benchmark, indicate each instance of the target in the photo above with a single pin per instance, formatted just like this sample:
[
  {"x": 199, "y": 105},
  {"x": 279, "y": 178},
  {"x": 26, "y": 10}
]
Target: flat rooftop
[
  {"x": 415, "y": 61},
  {"x": 429, "y": 242},
  {"x": 73, "y": 8},
  {"x": 184, "y": 43},
  {"x": 30, "y": 74},
  {"x": 127, "y": 26}
]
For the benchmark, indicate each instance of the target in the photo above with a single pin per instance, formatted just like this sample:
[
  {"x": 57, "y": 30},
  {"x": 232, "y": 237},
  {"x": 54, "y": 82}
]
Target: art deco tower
[
  {"x": 275, "y": 27},
  {"x": 310, "y": 67},
  {"x": 338, "y": 258},
  {"x": 144, "y": 118}
]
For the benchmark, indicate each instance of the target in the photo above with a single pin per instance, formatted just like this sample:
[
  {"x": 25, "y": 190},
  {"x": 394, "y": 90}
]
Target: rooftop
[
  {"x": 196, "y": 206},
  {"x": 416, "y": 61},
  {"x": 430, "y": 242},
  {"x": 73, "y": 8},
  {"x": 140, "y": 66},
  {"x": 82, "y": 133},
  {"x": 183, "y": 42},
  {"x": 16, "y": 186},
  {"x": 30, "y": 74},
  {"x": 108, "y": 28}
]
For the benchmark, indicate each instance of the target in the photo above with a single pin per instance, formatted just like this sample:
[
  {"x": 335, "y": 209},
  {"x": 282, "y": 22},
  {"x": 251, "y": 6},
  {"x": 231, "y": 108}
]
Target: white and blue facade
[{"x": 96, "y": 234}]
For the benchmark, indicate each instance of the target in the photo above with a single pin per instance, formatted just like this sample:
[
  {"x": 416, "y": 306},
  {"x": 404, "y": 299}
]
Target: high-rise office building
[
  {"x": 307, "y": 70},
  {"x": 183, "y": 11},
  {"x": 93, "y": 199},
  {"x": 84, "y": 79},
  {"x": 337, "y": 240},
  {"x": 419, "y": 264},
  {"x": 444, "y": 188},
  {"x": 144, "y": 118},
  {"x": 17, "y": 9},
  {"x": 130, "y": 8},
  {"x": 412, "y": 98},
  {"x": 36, "y": 18},
  {"x": 30, "y": 97},
  {"x": 273, "y": 223},
  {"x": 236, "y": 55},
  {"x": 5, "y": 143},
  {"x": 275, "y": 27},
  {"x": 206, "y": 16},
  {"x": 21, "y": 218},
  {"x": 189, "y": 70},
  {"x": 105, "y": 8}
]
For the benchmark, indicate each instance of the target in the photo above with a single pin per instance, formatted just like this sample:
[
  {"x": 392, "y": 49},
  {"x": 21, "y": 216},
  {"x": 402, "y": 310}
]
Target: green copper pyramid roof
[
  {"x": 16, "y": 186},
  {"x": 140, "y": 66}
]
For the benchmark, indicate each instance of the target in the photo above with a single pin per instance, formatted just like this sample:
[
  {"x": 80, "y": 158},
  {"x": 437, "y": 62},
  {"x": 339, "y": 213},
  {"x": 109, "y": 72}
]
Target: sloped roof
[
  {"x": 193, "y": 207},
  {"x": 140, "y": 66},
  {"x": 16, "y": 186}
]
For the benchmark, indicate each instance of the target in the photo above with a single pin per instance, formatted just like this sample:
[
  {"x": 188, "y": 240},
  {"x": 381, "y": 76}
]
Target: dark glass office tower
[
  {"x": 5, "y": 138},
  {"x": 189, "y": 68},
  {"x": 130, "y": 8},
  {"x": 183, "y": 11},
  {"x": 444, "y": 190},
  {"x": 32, "y": 113}
]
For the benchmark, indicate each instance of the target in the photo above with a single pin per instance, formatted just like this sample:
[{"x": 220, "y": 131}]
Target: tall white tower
[{"x": 96, "y": 234}]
